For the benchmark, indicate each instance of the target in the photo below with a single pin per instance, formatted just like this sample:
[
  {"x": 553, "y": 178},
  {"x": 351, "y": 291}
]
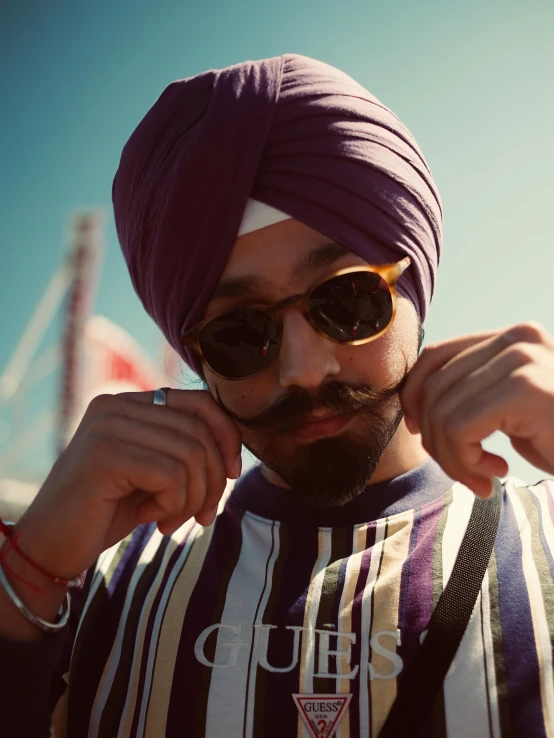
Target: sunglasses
[{"x": 354, "y": 306}]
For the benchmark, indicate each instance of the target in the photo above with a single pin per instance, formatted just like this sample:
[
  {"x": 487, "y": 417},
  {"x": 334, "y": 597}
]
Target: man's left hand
[{"x": 461, "y": 390}]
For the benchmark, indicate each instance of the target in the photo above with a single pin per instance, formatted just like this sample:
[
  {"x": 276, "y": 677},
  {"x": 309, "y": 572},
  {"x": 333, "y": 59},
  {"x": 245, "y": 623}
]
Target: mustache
[{"x": 298, "y": 405}]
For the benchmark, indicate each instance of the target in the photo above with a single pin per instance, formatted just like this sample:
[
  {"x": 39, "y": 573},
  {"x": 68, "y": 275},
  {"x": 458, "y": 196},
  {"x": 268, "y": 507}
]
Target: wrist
[
  {"x": 25, "y": 577},
  {"x": 47, "y": 626},
  {"x": 43, "y": 598},
  {"x": 17, "y": 626},
  {"x": 29, "y": 546}
]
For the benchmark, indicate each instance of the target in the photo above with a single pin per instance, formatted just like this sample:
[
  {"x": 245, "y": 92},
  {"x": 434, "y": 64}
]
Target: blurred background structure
[
  {"x": 473, "y": 81},
  {"x": 90, "y": 356}
]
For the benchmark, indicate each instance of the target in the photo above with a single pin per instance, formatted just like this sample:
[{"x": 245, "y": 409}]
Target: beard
[
  {"x": 333, "y": 471},
  {"x": 328, "y": 471}
]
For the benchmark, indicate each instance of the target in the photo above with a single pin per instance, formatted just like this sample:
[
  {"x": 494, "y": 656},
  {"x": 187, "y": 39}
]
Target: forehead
[{"x": 283, "y": 251}]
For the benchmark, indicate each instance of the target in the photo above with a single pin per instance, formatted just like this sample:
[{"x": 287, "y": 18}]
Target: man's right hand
[{"x": 131, "y": 462}]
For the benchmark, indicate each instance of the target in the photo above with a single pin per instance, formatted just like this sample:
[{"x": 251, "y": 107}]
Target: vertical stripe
[
  {"x": 139, "y": 692},
  {"x": 543, "y": 643},
  {"x": 152, "y": 576},
  {"x": 344, "y": 624},
  {"x": 467, "y": 675},
  {"x": 365, "y": 564},
  {"x": 112, "y": 662},
  {"x": 385, "y": 636},
  {"x": 267, "y": 617},
  {"x": 306, "y": 684},
  {"x": 278, "y": 678},
  {"x": 234, "y": 636},
  {"x": 258, "y": 619},
  {"x": 520, "y": 656},
  {"x": 502, "y": 705},
  {"x": 403, "y": 611},
  {"x": 437, "y": 561},
  {"x": 328, "y": 612},
  {"x": 207, "y": 600},
  {"x": 541, "y": 554},
  {"x": 417, "y": 586},
  {"x": 107, "y": 562},
  {"x": 93, "y": 647},
  {"x": 545, "y": 526},
  {"x": 458, "y": 514},
  {"x": 366, "y": 612},
  {"x": 548, "y": 488},
  {"x": 170, "y": 631},
  {"x": 437, "y": 720},
  {"x": 489, "y": 655}
]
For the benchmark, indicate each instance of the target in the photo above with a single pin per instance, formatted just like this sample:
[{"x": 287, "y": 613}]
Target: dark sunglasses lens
[
  {"x": 240, "y": 343},
  {"x": 352, "y": 306}
]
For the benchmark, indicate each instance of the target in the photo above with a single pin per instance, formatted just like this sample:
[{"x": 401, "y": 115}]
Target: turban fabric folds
[{"x": 290, "y": 132}]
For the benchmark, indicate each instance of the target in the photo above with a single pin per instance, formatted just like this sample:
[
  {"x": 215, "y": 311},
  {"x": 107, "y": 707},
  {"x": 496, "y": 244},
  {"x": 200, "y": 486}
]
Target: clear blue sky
[{"x": 473, "y": 81}]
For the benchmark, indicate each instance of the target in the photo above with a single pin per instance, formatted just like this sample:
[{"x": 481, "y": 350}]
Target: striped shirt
[{"x": 213, "y": 631}]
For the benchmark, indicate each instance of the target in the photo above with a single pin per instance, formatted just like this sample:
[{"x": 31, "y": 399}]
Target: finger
[
  {"x": 163, "y": 477},
  {"x": 503, "y": 368},
  {"x": 431, "y": 359},
  {"x": 470, "y": 371},
  {"x": 429, "y": 374},
  {"x": 138, "y": 407},
  {"x": 461, "y": 453},
  {"x": 467, "y": 376},
  {"x": 149, "y": 512},
  {"x": 172, "y": 509},
  {"x": 462, "y": 466},
  {"x": 197, "y": 403},
  {"x": 442, "y": 432},
  {"x": 194, "y": 446}
]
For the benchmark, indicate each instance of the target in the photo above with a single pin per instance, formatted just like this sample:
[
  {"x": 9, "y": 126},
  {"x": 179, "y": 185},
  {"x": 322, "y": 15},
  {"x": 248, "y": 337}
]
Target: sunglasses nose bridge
[{"x": 299, "y": 302}]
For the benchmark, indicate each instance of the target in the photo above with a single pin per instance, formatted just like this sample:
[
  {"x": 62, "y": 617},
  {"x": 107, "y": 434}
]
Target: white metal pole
[{"x": 34, "y": 332}]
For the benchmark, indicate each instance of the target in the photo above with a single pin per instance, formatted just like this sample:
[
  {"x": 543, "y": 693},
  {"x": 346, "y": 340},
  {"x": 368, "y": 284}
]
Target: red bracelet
[
  {"x": 7, "y": 530},
  {"x": 8, "y": 568}
]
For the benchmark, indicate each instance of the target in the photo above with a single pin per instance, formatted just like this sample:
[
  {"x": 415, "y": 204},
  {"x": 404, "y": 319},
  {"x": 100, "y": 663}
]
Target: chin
[{"x": 331, "y": 471}]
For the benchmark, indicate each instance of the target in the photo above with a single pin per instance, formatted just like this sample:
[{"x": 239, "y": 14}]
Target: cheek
[
  {"x": 380, "y": 362},
  {"x": 244, "y": 397},
  {"x": 371, "y": 364}
]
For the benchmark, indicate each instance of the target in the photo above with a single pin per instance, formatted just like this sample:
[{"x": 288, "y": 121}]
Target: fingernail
[
  {"x": 212, "y": 518},
  {"x": 237, "y": 469}
]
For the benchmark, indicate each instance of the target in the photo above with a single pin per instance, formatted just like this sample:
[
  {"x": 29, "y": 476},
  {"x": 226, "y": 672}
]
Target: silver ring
[{"x": 160, "y": 396}]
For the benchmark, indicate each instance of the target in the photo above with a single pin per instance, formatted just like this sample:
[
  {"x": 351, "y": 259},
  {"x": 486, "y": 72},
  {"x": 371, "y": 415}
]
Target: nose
[{"x": 306, "y": 358}]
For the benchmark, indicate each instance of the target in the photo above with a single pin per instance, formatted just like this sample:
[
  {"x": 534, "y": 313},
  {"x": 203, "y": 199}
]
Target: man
[{"x": 282, "y": 228}]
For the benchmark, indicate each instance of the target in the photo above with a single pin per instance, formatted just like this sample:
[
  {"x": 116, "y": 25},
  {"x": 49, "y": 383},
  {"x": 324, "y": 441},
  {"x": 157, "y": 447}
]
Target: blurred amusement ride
[{"x": 66, "y": 356}]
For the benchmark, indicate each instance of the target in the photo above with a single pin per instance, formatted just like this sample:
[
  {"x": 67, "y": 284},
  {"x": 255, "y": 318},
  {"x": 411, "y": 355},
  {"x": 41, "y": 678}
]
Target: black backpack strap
[{"x": 423, "y": 681}]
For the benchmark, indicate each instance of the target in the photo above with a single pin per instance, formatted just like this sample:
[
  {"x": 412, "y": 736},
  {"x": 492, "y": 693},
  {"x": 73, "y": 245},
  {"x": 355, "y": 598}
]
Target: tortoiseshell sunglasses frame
[{"x": 390, "y": 273}]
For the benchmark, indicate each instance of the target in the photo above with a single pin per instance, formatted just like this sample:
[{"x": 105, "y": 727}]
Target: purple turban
[{"x": 291, "y": 132}]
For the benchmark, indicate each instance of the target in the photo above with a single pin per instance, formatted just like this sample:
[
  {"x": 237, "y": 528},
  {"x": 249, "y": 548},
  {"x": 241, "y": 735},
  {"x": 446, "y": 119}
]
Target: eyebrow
[{"x": 251, "y": 284}]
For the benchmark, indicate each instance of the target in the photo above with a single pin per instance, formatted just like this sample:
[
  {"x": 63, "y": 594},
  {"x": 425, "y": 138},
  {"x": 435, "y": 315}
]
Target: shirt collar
[{"x": 416, "y": 487}]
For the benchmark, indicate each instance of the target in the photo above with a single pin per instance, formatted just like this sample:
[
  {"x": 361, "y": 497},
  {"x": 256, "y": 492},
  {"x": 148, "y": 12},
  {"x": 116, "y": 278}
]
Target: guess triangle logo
[{"x": 322, "y": 713}]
